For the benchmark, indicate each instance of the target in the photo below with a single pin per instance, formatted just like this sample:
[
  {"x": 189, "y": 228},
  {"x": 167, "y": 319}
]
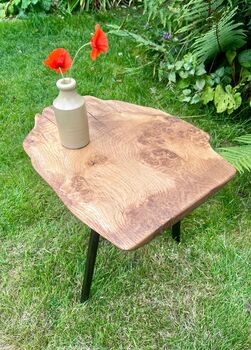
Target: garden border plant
[
  {"x": 22, "y": 8},
  {"x": 202, "y": 54}
]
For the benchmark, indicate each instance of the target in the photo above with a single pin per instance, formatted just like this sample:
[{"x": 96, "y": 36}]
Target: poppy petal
[
  {"x": 94, "y": 54},
  {"x": 99, "y": 42},
  {"x": 59, "y": 60}
]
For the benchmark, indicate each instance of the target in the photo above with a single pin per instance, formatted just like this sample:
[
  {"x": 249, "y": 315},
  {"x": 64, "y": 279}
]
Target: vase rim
[{"x": 66, "y": 84}]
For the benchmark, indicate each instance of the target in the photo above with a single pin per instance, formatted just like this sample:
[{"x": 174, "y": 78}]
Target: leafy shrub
[
  {"x": 203, "y": 53},
  {"x": 206, "y": 34},
  {"x": 97, "y": 5},
  {"x": 23, "y": 7},
  {"x": 239, "y": 156},
  {"x": 196, "y": 86}
]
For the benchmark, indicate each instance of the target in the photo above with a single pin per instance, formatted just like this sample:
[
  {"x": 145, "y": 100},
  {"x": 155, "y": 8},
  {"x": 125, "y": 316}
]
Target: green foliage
[
  {"x": 192, "y": 19},
  {"x": 185, "y": 69},
  {"x": 224, "y": 35},
  {"x": 115, "y": 29},
  {"x": 239, "y": 156},
  {"x": 211, "y": 30},
  {"x": 167, "y": 12},
  {"x": 23, "y": 7},
  {"x": 197, "y": 86},
  {"x": 226, "y": 99},
  {"x": 244, "y": 58},
  {"x": 97, "y": 5}
]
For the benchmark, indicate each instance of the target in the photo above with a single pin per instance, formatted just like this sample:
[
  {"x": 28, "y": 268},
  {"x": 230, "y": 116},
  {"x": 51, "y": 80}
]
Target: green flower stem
[{"x": 76, "y": 55}]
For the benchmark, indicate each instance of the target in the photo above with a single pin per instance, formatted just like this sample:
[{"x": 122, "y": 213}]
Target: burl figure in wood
[{"x": 142, "y": 172}]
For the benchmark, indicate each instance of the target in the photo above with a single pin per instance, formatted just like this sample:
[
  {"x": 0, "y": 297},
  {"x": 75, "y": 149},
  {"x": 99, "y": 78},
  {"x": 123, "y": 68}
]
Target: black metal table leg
[
  {"x": 176, "y": 231},
  {"x": 89, "y": 267}
]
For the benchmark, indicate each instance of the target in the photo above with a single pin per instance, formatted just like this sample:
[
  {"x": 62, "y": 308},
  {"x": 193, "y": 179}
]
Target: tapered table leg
[
  {"x": 176, "y": 231},
  {"x": 90, "y": 264}
]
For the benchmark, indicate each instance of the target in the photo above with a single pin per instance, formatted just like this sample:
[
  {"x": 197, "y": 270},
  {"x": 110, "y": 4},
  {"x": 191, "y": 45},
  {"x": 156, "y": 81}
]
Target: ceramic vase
[{"x": 71, "y": 115}]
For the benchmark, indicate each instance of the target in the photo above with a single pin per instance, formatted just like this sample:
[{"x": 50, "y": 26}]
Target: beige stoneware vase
[{"x": 71, "y": 115}]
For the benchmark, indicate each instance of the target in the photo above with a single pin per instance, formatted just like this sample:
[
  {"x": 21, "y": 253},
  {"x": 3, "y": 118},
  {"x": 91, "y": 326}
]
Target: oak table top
[{"x": 143, "y": 170}]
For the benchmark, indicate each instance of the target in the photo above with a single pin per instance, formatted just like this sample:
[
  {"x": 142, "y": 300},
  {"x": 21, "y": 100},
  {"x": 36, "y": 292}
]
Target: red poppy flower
[
  {"x": 99, "y": 43},
  {"x": 59, "y": 60}
]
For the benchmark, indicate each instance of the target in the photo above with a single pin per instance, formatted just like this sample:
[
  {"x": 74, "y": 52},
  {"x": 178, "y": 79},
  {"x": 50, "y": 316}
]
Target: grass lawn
[{"x": 191, "y": 296}]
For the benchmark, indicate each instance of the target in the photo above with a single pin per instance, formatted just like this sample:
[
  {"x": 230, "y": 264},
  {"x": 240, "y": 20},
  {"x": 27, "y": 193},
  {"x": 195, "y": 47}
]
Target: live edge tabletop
[{"x": 143, "y": 170}]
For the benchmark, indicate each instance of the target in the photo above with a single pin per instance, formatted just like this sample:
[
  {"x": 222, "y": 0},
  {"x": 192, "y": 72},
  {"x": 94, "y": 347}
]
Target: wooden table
[{"x": 142, "y": 172}]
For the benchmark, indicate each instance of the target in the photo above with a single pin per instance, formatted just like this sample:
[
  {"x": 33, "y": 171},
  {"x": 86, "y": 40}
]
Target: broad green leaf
[
  {"x": 231, "y": 100},
  {"x": 221, "y": 99},
  {"x": 231, "y": 56},
  {"x": 244, "y": 58},
  {"x": 187, "y": 92},
  {"x": 2, "y": 13},
  {"x": 195, "y": 99},
  {"x": 183, "y": 74},
  {"x": 226, "y": 100},
  {"x": 200, "y": 83},
  {"x": 187, "y": 66},
  {"x": 226, "y": 80},
  {"x": 217, "y": 80},
  {"x": 220, "y": 72},
  {"x": 172, "y": 77},
  {"x": 200, "y": 70},
  {"x": 207, "y": 95},
  {"x": 178, "y": 65},
  {"x": 246, "y": 74},
  {"x": 238, "y": 100},
  {"x": 12, "y": 6},
  {"x": 170, "y": 66},
  {"x": 182, "y": 84},
  {"x": 11, "y": 9},
  {"x": 230, "y": 110},
  {"x": 229, "y": 89},
  {"x": 210, "y": 81},
  {"x": 186, "y": 99},
  {"x": 46, "y": 5},
  {"x": 25, "y": 4}
]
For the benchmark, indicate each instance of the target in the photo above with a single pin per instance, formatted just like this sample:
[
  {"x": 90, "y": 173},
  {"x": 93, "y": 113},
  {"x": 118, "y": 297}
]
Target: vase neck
[
  {"x": 66, "y": 84},
  {"x": 68, "y": 98}
]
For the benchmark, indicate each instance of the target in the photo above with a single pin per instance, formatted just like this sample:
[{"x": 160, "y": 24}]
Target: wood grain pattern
[{"x": 143, "y": 170}]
